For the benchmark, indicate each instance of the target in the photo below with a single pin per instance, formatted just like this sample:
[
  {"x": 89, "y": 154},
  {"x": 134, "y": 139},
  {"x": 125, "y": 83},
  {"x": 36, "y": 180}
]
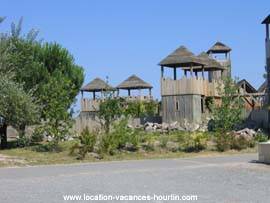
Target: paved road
[{"x": 216, "y": 179}]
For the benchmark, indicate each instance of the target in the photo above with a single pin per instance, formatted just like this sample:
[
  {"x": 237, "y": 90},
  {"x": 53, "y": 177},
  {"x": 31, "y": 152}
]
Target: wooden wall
[
  {"x": 189, "y": 108},
  {"x": 196, "y": 86}
]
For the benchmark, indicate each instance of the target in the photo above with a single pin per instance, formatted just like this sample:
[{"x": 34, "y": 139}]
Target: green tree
[
  {"x": 47, "y": 70},
  {"x": 17, "y": 107},
  {"x": 110, "y": 110},
  {"x": 228, "y": 113}
]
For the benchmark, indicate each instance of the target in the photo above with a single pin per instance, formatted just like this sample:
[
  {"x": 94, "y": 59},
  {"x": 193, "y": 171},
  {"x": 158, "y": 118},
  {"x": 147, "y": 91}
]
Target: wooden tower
[
  {"x": 183, "y": 98},
  {"x": 266, "y": 21},
  {"x": 221, "y": 53}
]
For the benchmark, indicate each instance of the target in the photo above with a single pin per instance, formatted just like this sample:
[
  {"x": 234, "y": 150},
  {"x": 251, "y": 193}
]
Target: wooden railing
[
  {"x": 185, "y": 85},
  {"x": 90, "y": 104},
  {"x": 93, "y": 105}
]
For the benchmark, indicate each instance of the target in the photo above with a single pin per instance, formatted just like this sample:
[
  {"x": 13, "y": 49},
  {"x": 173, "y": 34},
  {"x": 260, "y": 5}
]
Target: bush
[
  {"x": 261, "y": 137},
  {"x": 196, "y": 141},
  {"x": 119, "y": 138},
  {"x": 231, "y": 141},
  {"x": 23, "y": 141},
  {"x": 38, "y": 135},
  {"x": 86, "y": 144},
  {"x": 223, "y": 141}
]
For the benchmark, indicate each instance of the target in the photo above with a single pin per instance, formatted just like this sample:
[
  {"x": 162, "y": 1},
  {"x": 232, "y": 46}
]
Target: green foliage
[
  {"x": 195, "y": 142},
  {"x": 228, "y": 114},
  {"x": 37, "y": 135},
  {"x": 86, "y": 144},
  {"x": 141, "y": 108},
  {"x": 121, "y": 137},
  {"x": 223, "y": 141},
  {"x": 110, "y": 110},
  {"x": 261, "y": 137},
  {"x": 229, "y": 141},
  {"x": 23, "y": 141},
  {"x": 48, "y": 71},
  {"x": 16, "y": 106}
]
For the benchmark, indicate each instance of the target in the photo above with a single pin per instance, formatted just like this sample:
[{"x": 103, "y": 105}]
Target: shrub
[
  {"x": 223, "y": 141},
  {"x": 38, "y": 135},
  {"x": 23, "y": 141},
  {"x": 261, "y": 137},
  {"x": 231, "y": 141},
  {"x": 196, "y": 141},
  {"x": 240, "y": 142},
  {"x": 86, "y": 144},
  {"x": 119, "y": 138}
]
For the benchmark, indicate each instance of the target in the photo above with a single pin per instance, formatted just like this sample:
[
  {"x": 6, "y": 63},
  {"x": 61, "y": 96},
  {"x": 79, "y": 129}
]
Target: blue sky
[{"x": 119, "y": 38}]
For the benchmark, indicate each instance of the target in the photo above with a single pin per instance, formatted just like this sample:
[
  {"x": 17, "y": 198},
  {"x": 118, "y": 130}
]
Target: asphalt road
[{"x": 213, "y": 179}]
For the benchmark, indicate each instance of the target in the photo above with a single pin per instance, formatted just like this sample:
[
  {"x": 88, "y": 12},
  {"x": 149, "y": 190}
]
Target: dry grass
[{"x": 29, "y": 157}]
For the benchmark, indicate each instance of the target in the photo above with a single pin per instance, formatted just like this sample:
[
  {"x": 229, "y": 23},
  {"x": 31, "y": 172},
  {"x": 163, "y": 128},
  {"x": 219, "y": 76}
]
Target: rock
[
  {"x": 130, "y": 147},
  {"x": 148, "y": 129},
  {"x": 164, "y": 126},
  {"x": 49, "y": 138}
]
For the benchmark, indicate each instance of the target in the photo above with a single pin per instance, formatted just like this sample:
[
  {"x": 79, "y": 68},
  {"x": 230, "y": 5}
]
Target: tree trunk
[{"x": 3, "y": 136}]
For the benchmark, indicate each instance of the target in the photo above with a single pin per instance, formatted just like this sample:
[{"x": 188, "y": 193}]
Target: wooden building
[
  {"x": 183, "y": 98},
  {"x": 97, "y": 87},
  {"x": 221, "y": 53},
  {"x": 135, "y": 83},
  {"x": 266, "y": 21}
]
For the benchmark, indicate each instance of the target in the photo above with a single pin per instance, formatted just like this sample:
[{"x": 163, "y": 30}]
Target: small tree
[
  {"x": 227, "y": 114},
  {"x": 110, "y": 110},
  {"x": 17, "y": 107}
]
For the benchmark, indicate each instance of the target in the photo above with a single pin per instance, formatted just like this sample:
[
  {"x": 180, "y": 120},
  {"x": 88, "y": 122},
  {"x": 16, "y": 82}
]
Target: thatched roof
[
  {"x": 266, "y": 20},
  {"x": 211, "y": 64},
  {"x": 219, "y": 47},
  {"x": 263, "y": 87},
  {"x": 134, "y": 82},
  {"x": 249, "y": 87},
  {"x": 181, "y": 57},
  {"x": 97, "y": 85}
]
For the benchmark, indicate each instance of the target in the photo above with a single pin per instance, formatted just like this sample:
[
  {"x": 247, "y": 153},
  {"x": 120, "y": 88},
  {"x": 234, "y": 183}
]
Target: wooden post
[
  {"x": 150, "y": 92},
  {"x": 174, "y": 73},
  {"x": 162, "y": 71},
  {"x": 267, "y": 31},
  {"x": 94, "y": 95},
  {"x": 203, "y": 72},
  {"x": 196, "y": 74},
  {"x": 129, "y": 92},
  {"x": 191, "y": 71},
  {"x": 82, "y": 94},
  {"x": 118, "y": 92},
  {"x": 185, "y": 72}
]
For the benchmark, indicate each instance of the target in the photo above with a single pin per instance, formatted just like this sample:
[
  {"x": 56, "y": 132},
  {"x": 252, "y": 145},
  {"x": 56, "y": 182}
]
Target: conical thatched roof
[
  {"x": 134, "y": 82},
  {"x": 181, "y": 57},
  {"x": 210, "y": 63},
  {"x": 96, "y": 85},
  {"x": 219, "y": 47},
  {"x": 266, "y": 20}
]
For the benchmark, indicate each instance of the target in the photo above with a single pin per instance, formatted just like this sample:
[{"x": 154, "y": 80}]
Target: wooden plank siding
[
  {"x": 189, "y": 108},
  {"x": 186, "y": 86}
]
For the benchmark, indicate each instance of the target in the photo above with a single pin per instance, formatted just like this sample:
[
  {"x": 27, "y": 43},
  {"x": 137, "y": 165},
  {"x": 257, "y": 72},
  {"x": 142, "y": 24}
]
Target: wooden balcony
[
  {"x": 185, "y": 86},
  {"x": 93, "y": 105},
  {"x": 90, "y": 104}
]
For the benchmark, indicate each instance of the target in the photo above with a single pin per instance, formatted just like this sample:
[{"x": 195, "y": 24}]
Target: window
[{"x": 177, "y": 106}]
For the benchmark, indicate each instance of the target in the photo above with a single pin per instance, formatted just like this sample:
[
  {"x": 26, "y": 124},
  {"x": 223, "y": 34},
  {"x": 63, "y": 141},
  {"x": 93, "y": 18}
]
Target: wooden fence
[{"x": 185, "y": 85}]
